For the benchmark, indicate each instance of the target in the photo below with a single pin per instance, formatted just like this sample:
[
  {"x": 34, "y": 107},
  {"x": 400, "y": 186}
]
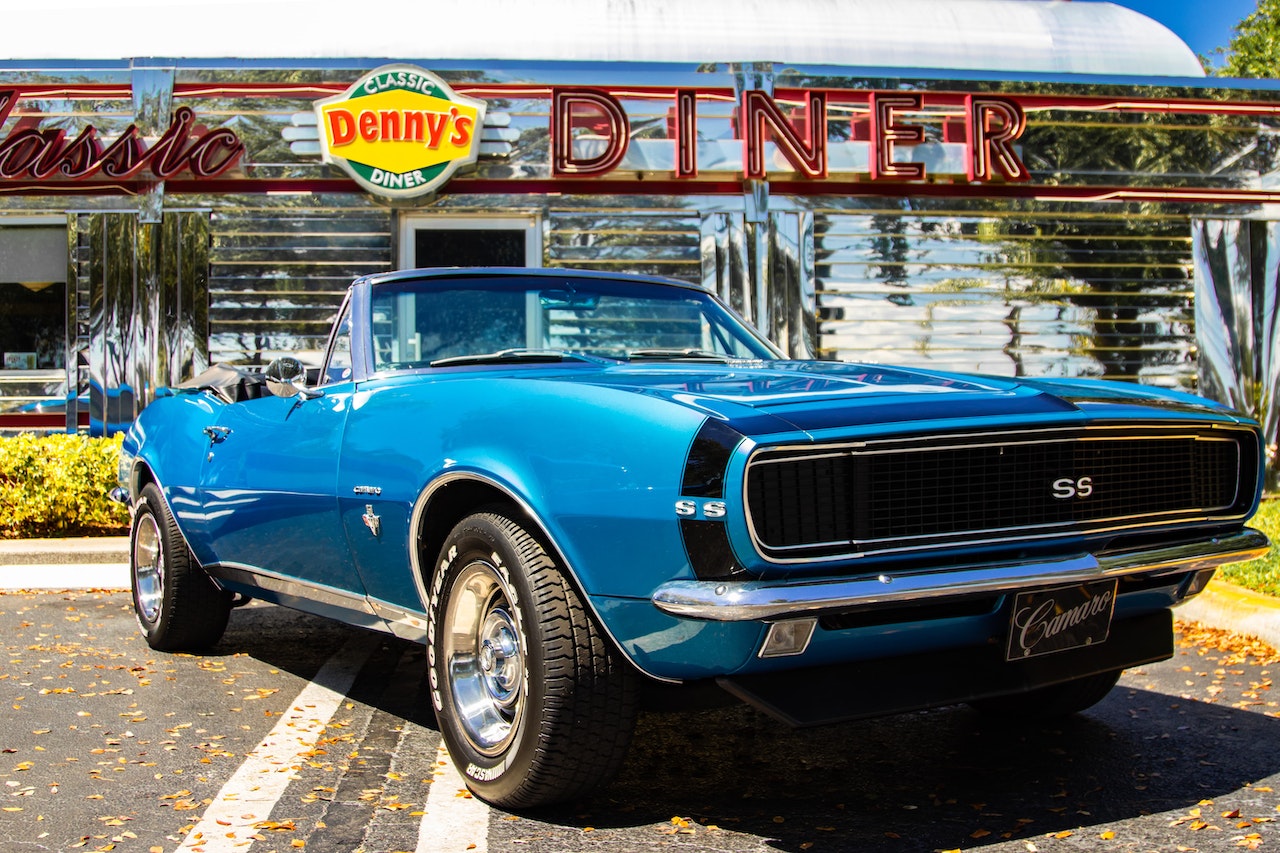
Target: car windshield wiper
[
  {"x": 512, "y": 356},
  {"x": 675, "y": 354}
]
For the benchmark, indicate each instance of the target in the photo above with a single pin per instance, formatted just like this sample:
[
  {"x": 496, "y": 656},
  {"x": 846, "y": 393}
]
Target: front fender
[
  {"x": 167, "y": 444},
  {"x": 598, "y": 468}
]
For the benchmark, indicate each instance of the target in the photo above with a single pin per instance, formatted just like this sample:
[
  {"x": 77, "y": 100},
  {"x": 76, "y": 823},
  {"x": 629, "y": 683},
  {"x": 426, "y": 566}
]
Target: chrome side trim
[
  {"x": 405, "y": 624},
  {"x": 767, "y": 600},
  {"x": 307, "y": 596}
]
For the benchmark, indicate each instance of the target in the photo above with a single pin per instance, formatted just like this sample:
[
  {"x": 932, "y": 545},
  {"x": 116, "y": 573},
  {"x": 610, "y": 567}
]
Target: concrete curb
[
  {"x": 103, "y": 563},
  {"x": 1234, "y": 608}
]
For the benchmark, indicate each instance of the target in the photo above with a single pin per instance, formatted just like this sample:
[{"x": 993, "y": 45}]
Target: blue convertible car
[{"x": 583, "y": 492}]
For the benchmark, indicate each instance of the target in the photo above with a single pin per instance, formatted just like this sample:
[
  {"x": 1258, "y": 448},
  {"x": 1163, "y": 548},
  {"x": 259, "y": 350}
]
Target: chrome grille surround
[{"x": 841, "y": 500}]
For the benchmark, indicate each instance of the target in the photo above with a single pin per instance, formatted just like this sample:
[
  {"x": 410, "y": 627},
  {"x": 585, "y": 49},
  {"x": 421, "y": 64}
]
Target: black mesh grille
[{"x": 857, "y": 499}]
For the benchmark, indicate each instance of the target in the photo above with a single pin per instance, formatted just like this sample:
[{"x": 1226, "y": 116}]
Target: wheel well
[
  {"x": 139, "y": 478},
  {"x": 460, "y": 498},
  {"x": 454, "y": 502}
]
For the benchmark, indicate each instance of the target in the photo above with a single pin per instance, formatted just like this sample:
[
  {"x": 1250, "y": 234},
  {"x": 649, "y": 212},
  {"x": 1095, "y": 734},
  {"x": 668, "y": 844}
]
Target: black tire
[
  {"x": 178, "y": 607},
  {"x": 533, "y": 704},
  {"x": 1056, "y": 700}
]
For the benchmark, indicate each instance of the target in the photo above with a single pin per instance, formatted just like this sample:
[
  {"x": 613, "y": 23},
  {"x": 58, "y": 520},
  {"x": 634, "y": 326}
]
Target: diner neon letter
[
  {"x": 887, "y": 134},
  {"x": 992, "y": 125},
  {"x": 760, "y": 113},
  {"x": 570, "y": 107}
]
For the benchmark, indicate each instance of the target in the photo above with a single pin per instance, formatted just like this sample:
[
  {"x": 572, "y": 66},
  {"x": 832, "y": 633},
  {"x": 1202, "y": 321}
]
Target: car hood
[{"x": 812, "y": 395}]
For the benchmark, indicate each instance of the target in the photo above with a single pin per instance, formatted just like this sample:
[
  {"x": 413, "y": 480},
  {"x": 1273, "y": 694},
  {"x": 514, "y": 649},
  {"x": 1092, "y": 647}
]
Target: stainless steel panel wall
[
  {"x": 654, "y": 241},
  {"x": 139, "y": 299},
  {"x": 278, "y": 273},
  {"x": 765, "y": 271},
  {"x": 1237, "y": 289},
  {"x": 1103, "y": 292}
]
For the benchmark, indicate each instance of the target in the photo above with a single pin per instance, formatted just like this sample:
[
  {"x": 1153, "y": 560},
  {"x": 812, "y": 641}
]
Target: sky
[{"x": 1203, "y": 24}]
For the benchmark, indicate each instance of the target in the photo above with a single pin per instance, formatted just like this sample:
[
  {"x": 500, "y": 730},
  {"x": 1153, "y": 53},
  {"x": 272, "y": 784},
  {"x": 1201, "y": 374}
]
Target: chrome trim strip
[
  {"x": 405, "y": 624},
  {"x": 793, "y": 452},
  {"x": 294, "y": 587},
  {"x": 951, "y": 540},
  {"x": 866, "y": 448},
  {"x": 859, "y": 444},
  {"x": 767, "y": 600}
]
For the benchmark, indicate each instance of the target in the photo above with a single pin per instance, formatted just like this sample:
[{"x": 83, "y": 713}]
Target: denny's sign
[{"x": 400, "y": 131}]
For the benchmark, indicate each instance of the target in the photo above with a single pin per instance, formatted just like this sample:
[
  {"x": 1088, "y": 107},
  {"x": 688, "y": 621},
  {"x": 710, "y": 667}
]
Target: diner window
[
  {"x": 33, "y": 301},
  {"x": 482, "y": 241}
]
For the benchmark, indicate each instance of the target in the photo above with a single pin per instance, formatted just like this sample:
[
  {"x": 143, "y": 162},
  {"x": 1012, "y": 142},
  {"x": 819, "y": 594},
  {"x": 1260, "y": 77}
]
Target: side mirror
[{"x": 287, "y": 377}]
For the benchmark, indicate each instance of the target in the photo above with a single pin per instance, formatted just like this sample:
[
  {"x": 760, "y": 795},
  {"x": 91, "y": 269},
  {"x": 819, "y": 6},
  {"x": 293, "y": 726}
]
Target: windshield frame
[{"x": 713, "y": 314}]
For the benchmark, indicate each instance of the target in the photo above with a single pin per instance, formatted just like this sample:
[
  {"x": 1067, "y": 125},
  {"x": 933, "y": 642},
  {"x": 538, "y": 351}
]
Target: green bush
[
  {"x": 57, "y": 485},
  {"x": 1262, "y": 574}
]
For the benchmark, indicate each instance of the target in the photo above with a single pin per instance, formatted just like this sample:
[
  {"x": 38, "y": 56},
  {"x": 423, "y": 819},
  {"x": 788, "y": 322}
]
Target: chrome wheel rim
[
  {"x": 484, "y": 658},
  {"x": 148, "y": 567}
]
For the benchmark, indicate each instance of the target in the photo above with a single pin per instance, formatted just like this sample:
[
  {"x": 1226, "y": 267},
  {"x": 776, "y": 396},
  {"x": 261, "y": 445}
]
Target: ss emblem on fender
[
  {"x": 707, "y": 509},
  {"x": 1066, "y": 488}
]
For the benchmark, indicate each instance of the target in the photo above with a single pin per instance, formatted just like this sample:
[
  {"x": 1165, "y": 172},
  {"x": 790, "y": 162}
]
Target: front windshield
[{"x": 420, "y": 323}]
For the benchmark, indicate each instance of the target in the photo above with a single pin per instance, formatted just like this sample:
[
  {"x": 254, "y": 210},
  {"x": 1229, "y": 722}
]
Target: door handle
[{"x": 217, "y": 434}]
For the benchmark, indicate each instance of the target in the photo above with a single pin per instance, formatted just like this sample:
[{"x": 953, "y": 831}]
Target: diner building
[{"x": 1014, "y": 187}]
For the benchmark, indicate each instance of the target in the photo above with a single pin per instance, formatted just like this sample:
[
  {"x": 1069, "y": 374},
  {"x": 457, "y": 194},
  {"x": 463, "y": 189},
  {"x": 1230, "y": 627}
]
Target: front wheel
[
  {"x": 1056, "y": 700},
  {"x": 533, "y": 704},
  {"x": 178, "y": 607}
]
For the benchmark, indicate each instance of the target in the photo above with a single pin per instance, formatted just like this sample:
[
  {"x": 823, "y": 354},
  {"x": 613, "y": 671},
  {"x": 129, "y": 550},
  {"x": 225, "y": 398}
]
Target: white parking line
[
  {"x": 455, "y": 821},
  {"x": 257, "y": 785}
]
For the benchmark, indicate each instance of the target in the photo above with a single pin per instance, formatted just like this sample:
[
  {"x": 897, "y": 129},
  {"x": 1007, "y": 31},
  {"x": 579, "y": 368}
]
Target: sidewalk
[
  {"x": 84, "y": 563},
  {"x": 103, "y": 563}
]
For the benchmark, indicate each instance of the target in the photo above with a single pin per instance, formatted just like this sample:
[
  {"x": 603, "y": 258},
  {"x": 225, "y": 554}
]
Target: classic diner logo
[
  {"x": 33, "y": 153},
  {"x": 400, "y": 131}
]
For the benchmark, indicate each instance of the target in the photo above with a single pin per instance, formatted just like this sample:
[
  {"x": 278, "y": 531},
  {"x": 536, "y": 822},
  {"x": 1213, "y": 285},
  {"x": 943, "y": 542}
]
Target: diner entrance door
[{"x": 470, "y": 242}]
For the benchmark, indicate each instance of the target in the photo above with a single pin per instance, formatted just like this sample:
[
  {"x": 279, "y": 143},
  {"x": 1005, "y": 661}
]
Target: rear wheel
[
  {"x": 1056, "y": 700},
  {"x": 533, "y": 704},
  {"x": 177, "y": 605}
]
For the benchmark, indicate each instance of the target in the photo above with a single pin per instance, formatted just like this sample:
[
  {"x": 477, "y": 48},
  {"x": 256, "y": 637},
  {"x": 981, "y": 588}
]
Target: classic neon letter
[
  {"x": 992, "y": 125},
  {"x": 568, "y": 104},
  {"x": 808, "y": 156},
  {"x": 887, "y": 134}
]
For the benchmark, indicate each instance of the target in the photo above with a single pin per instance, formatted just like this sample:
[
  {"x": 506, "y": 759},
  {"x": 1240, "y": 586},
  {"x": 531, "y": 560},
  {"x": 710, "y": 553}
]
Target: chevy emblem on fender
[{"x": 400, "y": 131}]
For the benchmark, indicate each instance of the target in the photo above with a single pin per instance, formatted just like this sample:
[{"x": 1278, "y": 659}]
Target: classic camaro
[{"x": 585, "y": 491}]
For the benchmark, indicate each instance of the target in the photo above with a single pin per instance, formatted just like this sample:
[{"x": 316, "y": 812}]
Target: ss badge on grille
[{"x": 1066, "y": 488}]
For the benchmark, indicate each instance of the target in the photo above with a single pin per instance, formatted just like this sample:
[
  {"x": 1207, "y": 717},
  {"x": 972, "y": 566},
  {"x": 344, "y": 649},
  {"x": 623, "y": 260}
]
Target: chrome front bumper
[{"x": 744, "y": 601}]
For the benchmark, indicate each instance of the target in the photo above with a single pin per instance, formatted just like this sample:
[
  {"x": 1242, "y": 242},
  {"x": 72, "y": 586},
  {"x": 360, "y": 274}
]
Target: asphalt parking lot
[{"x": 296, "y": 733}]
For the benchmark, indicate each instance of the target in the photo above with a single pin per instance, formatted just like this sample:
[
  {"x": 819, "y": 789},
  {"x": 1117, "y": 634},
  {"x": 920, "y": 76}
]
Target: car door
[{"x": 269, "y": 501}]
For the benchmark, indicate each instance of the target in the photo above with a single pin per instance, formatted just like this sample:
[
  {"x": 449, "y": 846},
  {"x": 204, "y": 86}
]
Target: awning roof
[{"x": 1065, "y": 37}]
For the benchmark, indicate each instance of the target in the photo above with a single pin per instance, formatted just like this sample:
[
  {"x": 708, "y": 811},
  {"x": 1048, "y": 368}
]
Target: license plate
[{"x": 1054, "y": 620}]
